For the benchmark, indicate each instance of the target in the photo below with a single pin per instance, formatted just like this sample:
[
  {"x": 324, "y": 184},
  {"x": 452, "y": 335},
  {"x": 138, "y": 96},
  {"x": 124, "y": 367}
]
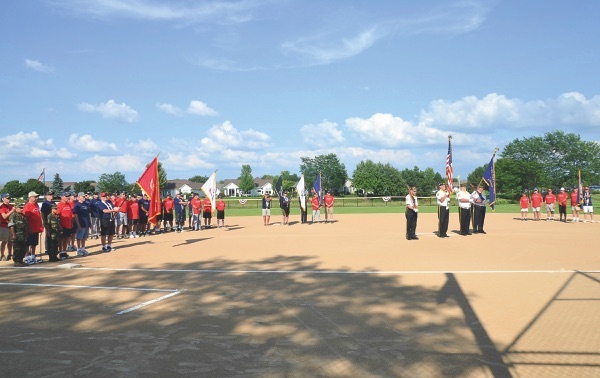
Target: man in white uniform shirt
[
  {"x": 412, "y": 211},
  {"x": 464, "y": 203},
  {"x": 443, "y": 201}
]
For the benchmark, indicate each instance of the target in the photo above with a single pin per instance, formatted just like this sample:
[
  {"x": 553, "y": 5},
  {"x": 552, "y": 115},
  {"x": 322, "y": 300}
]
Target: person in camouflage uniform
[
  {"x": 54, "y": 230},
  {"x": 19, "y": 232}
]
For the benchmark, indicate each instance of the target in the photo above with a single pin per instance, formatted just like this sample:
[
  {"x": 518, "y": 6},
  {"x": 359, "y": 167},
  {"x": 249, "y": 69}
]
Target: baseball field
[{"x": 350, "y": 298}]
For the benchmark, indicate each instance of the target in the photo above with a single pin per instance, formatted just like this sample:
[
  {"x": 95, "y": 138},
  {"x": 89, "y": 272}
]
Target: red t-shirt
[
  {"x": 536, "y": 200},
  {"x": 196, "y": 205},
  {"x": 221, "y": 205},
  {"x": 168, "y": 204},
  {"x": 4, "y": 209},
  {"x": 34, "y": 217},
  {"x": 574, "y": 199},
  {"x": 207, "y": 205},
  {"x": 65, "y": 213},
  {"x": 329, "y": 200},
  {"x": 315, "y": 203},
  {"x": 123, "y": 205},
  {"x": 524, "y": 202},
  {"x": 133, "y": 210},
  {"x": 550, "y": 198},
  {"x": 562, "y": 198}
]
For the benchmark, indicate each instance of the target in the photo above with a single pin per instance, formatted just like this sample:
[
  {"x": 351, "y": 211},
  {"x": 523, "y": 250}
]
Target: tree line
[{"x": 549, "y": 161}]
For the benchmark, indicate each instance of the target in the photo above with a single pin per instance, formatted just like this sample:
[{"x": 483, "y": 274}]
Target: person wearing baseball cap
[
  {"x": 587, "y": 205},
  {"x": 6, "y": 210},
  {"x": 34, "y": 220},
  {"x": 17, "y": 224}
]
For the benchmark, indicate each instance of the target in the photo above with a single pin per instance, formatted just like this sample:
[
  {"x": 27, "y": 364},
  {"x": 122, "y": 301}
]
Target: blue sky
[{"x": 99, "y": 86}]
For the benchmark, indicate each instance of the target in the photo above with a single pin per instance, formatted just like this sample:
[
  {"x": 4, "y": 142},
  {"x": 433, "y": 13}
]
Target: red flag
[{"x": 149, "y": 184}]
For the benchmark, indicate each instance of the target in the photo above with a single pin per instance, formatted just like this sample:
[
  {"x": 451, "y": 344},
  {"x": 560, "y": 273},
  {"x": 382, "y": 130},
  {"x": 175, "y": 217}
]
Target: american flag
[
  {"x": 42, "y": 176},
  {"x": 449, "y": 170}
]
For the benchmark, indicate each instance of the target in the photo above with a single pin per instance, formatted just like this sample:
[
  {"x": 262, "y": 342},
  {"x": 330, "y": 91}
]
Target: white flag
[
  {"x": 210, "y": 189},
  {"x": 301, "y": 192}
]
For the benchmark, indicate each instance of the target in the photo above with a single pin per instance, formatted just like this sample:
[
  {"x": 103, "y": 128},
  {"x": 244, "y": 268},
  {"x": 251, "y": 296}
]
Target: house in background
[
  {"x": 181, "y": 186},
  {"x": 231, "y": 188},
  {"x": 261, "y": 187}
]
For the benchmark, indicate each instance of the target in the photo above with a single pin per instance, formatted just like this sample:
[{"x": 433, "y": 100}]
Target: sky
[{"x": 103, "y": 86}]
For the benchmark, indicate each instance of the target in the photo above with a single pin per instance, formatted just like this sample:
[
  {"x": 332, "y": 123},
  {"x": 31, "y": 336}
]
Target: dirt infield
[{"x": 352, "y": 298}]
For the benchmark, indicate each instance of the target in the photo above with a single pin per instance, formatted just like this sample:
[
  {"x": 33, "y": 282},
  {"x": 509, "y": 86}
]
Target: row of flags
[
  {"x": 150, "y": 185},
  {"x": 489, "y": 175}
]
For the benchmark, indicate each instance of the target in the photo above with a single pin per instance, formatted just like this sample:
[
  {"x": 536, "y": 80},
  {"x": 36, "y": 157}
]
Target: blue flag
[
  {"x": 279, "y": 190},
  {"x": 317, "y": 188},
  {"x": 489, "y": 176}
]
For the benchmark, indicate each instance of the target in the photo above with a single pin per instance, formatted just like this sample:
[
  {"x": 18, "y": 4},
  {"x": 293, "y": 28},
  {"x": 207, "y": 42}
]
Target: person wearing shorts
[
  {"x": 575, "y": 205},
  {"x": 220, "y": 212},
  {"x": 6, "y": 210},
  {"x": 550, "y": 201},
  {"x": 82, "y": 223},
  {"x": 561, "y": 198},
  {"x": 207, "y": 212},
  {"x": 266, "y": 209},
  {"x": 587, "y": 205},
  {"x": 329, "y": 201},
  {"x": 107, "y": 213},
  {"x": 536, "y": 204},
  {"x": 524, "y": 203}
]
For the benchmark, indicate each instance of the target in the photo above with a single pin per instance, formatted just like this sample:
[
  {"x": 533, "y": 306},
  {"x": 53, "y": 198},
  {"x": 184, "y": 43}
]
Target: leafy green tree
[
  {"x": 84, "y": 186},
  {"x": 113, "y": 182},
  {"x": 377, "y": 179},
  {"x": 33, "y": 185},
  {"x": 199, "y": 179},
  {"x": 15, "y": 188},
  {"x": 288, "y": 180},
  {"x": 162, "y": 175},
  {"x": 477, "y": 174},
  {"x": 333, "y": 172},
  {"x": 246, "y": 179},
  {"x": 269, "y": 177},
  {"x": 426, "y": 181},
  {"x": 57, "y": 184},
  {"x": 549, "y": 161}
]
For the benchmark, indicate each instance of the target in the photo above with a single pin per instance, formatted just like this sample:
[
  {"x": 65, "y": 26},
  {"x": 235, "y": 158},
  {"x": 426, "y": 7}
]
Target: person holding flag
[
  {"x": 587, "y": 205},
  {"x": 210, "y": 196},
  {"x": 443, "y": 201},
  {"x": 302, "y": 200},
  {"x": 479, "y": 203},
  {"x": 149, "y": 183}
]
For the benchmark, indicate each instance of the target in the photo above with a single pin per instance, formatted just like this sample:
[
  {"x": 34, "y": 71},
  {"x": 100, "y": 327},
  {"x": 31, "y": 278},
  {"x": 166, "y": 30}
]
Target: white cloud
[
  {"x": 30, "y": 146},
  {"x": 170, "y": 109},
  {"x": 495, "y": 110},
  {"x": 38, "y": 66},
  {"x": 225, "y": 12},
  {"x": 112, "y": 110},
  {"x": 107, "y": 164},
  {"x": 325, "y": 134},
  {"x": 226, "y": 136},
  {"x": 147, "y": 146},
  {"x": 88, "y": 144},
  {"x": 325, "y": 49},
  {"x": 200, "y": 108}
]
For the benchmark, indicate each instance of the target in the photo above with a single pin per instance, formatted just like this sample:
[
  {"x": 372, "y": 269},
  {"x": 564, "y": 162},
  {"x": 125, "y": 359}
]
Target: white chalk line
[
  {"x": 340, "y": 272},
  {"x": 148, "y": 303},
  {"x": 172, "y": 292}
]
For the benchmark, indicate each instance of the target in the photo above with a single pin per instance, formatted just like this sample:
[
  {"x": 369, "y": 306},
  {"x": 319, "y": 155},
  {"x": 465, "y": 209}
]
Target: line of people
[
  {"x": 68, "y": 224},
  {"x": 579, "y": 203}
]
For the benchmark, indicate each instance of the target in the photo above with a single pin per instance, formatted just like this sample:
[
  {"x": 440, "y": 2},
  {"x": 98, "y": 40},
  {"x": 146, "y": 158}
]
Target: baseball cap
[
  {"x": 562, "y": 188},
  {"x": 5, "y": 195},
  {"x": 50, "y": 193},
  {"x": 32, "y": 194},
  {"x": 80, "y": 194},
  {"x": 103, "y": 194}
]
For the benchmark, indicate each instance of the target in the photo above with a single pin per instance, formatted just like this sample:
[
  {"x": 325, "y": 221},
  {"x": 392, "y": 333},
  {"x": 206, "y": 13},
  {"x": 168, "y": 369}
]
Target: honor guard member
[
  {"x": 587, "y": 205},
  {"x": 412, "y": 211},
  {"x": 464, "y": 204},
  {"x": 443, "y": 201},
  {"x": 19, "y": 233},
  {"x": 479, "y": 202}
]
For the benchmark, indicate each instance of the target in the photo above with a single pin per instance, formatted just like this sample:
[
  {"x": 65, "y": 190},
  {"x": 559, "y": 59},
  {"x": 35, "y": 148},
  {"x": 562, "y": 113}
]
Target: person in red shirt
[
  {"x": 316, "y": 208},
  {"x": 34, "y": 220},
  {"x": 329, "y": 200},
  {"x": 168, "y": 207},
  {"x": 550, "y": 201},
  {"x": 207, "y": 212},
  {"x": 536, "y": 204},
  {"x": 65, "y": 213},
  {"x": 220, "y": 212},
  {"x": 122, "y": 223},
  {"x": 196, "y": 212},
  {"x": 575, "y": 204},
  {"x": 524, "y": 202},
  {"x": 133, "y": 216},
  {"x": 6, "y": 210},
  {"x": 562, "y": 204}
]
